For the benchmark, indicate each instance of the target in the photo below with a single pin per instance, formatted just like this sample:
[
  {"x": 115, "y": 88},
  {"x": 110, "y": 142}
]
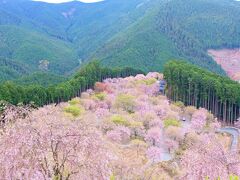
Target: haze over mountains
[{"x": 58, "y": 38}]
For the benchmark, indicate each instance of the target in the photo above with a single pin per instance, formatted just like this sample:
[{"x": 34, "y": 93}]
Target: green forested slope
[
  {"x": 177, "y": 28},
  {"x": 30, "y": 47},
  {"x": 138, "y": 33},
  {"x": 63, "y": 34}
]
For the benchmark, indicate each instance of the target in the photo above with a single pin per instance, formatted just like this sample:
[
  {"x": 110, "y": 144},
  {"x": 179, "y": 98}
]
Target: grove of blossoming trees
[{"x": 122, "y": 129}]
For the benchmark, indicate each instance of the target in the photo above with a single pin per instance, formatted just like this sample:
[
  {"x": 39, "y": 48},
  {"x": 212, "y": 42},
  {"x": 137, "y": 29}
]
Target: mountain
[
  {"x": 62, "y": 34},
  {"x": 177, "y": 29},
  {"x": 58, "y": 38}
]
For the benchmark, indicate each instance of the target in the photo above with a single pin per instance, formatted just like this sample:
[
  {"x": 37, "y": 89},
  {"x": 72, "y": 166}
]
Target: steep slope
[
  {"x": 63, "y": 34},
  {"x": 30, "y": 47},
  {"x": 11, "y": 69},
  {"x": 229, "y": 59},
  {"x": 182, "y": 28},
  {"x": 140, "y": 33},
  {"x": 140, "y": 45}
]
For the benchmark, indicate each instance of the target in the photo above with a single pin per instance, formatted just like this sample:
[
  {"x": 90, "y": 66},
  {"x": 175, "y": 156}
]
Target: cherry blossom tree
[
  {"x": 174, "y": 133},
  {"x": 120, "y": 134},
  {"x": 208, "y": 158},
  {"x": 101, "y": 87},
  {"x": 53, "y": 147},
  {"x": 153, "y": 136},
  {"x": 153, "y": 153},
  {"x": 199, "y": 119}
]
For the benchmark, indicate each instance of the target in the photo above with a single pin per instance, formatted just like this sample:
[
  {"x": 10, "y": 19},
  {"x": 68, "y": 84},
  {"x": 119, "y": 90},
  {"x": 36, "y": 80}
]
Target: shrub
[
  {"x": 179, "y": 104},
  {"x": 126, "y": 102},
  {"x": 3, "y": 105},
  {"x": 150, "y": 81},
  {"x": 147, "y": 82},
  {"x": 171, "y": 122},
  {"x": 74, "y": 101},
  {"x": 73, "y": 110},
  {"x": 119, "y": 120},
  {"x": 100, "y": 96}
]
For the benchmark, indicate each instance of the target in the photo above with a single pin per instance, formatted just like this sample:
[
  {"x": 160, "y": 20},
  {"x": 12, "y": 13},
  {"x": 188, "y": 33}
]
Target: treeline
[
  {"x": 39, "y": 95},
  {"x": 197, "y": 87}
]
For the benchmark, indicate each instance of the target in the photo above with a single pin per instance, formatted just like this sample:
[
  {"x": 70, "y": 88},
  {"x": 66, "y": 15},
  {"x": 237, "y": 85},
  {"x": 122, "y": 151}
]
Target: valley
[
  {"x": 120, "y": 90},
  {"x": 229, "y": 59},
  {"x": 69, "y": 35}
]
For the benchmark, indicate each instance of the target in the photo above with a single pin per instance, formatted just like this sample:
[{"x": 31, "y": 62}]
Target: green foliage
[
  {"x": 146, "y": 37},
  {"x": 101, "y": 96},
  {"x": 200, "y": 88},
  {"x": 33, "y": 31},
  {"x": 148, "y": 82},
  {"x": 175, "y": 30},
  {"x": 171, "y": 122},
  {"x": 3, "y": 105},
  {"x": 233, "y": 177},
  {"x": 64, "y": 91},
  {"x": 30, "y": 47},
  {"x": 74, "y": 110},
  {"x": 179, "y": 104},
  {"x": 74, "y": 101},
  {"x": 112, "y": 177},
  {"x": 120, "y": 120},
  {"x": 40, "y": 78},
  {"x": 126, "y": 102}
]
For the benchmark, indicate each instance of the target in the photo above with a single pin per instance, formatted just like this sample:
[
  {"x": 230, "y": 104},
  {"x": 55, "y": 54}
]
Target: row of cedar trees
[
  {"x": 83, "y": 80},
  {"x": 200, "y": 88}
]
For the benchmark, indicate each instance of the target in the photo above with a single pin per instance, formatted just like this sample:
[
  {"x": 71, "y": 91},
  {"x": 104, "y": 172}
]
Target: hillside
[
  {"x": 29, "y": 48},
  {"x": 59, "y": 33},
  {"x": 229, "y": 59},
  {"x": 121, "y": 129},
  {"x": 177, "y": 29},
  {"x": 139, "y": 33}
]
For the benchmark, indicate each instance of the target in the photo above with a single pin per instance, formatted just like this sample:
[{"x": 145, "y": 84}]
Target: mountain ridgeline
[{"x": 37, "y": 37}]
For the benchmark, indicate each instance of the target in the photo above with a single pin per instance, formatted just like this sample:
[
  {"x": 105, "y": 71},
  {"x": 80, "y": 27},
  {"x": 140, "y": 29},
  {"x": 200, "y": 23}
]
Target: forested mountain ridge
[
  {"x": 60, "y": 33},
  {"x": 140, "y": 33},
  {"x": 178, "y": 28}
]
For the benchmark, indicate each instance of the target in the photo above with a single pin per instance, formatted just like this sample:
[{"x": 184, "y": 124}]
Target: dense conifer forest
[{"x": 201, "y": 88}]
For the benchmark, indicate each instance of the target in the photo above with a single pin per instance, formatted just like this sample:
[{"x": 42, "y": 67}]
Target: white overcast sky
[{"x": 62, "y": 1}]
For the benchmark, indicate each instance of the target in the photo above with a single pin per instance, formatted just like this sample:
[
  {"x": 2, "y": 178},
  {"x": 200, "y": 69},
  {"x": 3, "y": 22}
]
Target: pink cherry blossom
[
  {"x": 208, "y": 158},
  {"x": 153, "y": 136},
  {"x": 120, "y": 134},
  {"x": 53, "y": 146},
  {"x": 154, "y": 154},
  {"x": 199, "y": 119}
]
